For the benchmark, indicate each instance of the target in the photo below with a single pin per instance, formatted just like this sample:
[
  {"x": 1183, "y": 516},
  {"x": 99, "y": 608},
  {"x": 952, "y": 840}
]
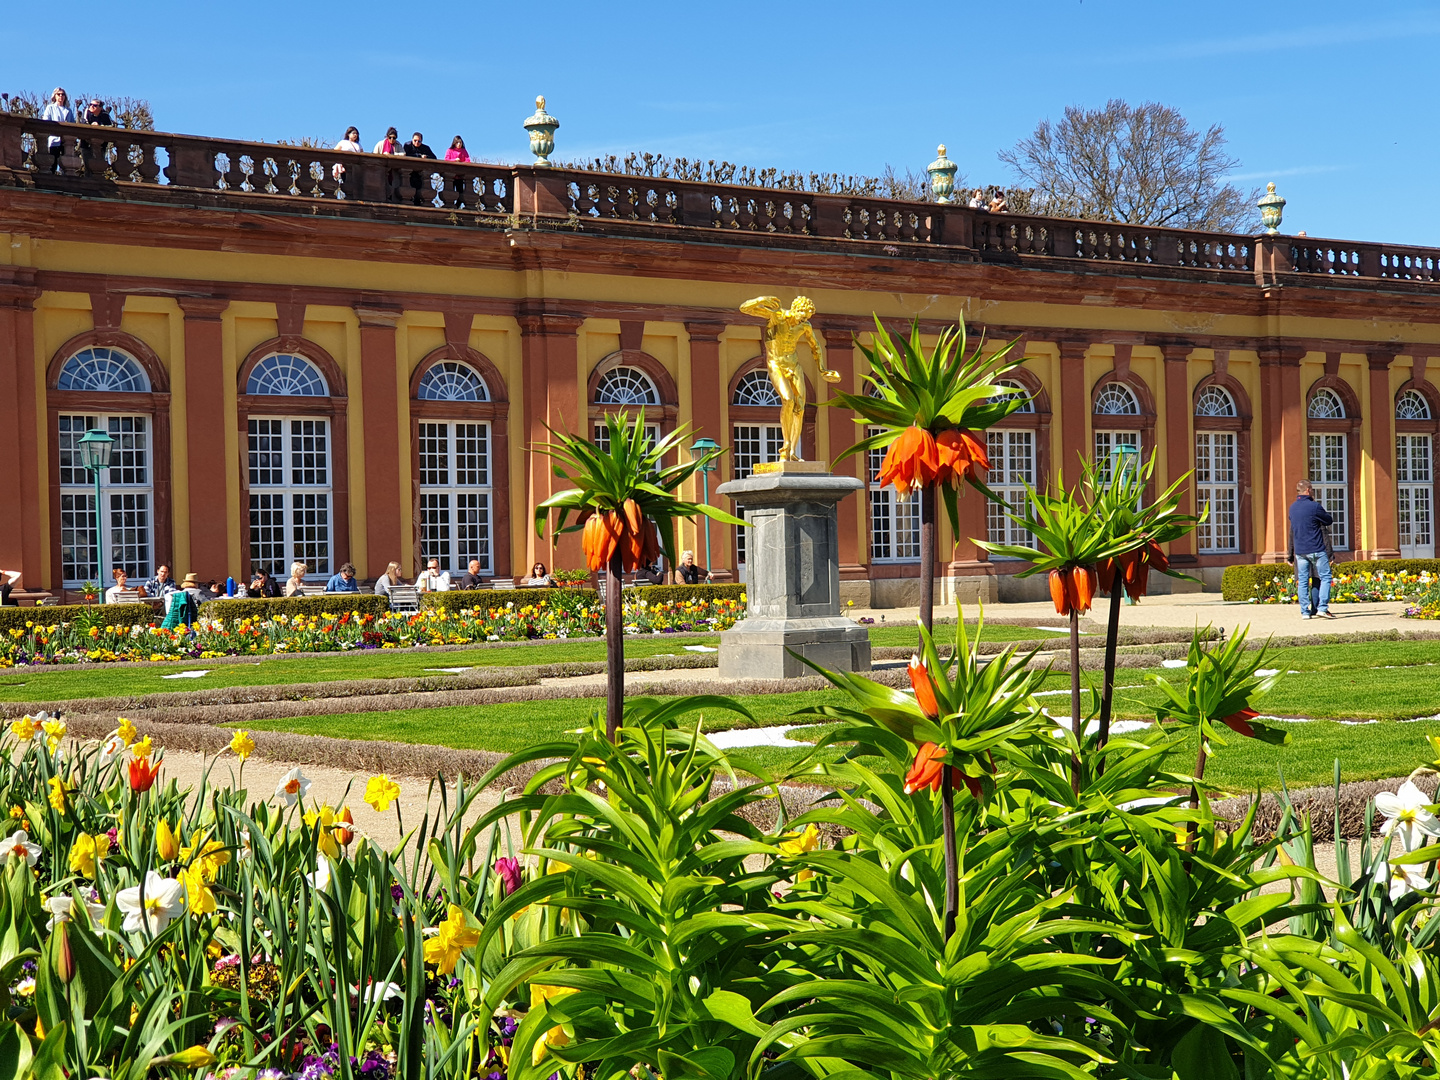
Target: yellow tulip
[{"x": 167, "y": 846}]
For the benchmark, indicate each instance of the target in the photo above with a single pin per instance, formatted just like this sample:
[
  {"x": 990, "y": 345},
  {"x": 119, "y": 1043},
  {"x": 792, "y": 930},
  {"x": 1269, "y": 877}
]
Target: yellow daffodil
[
  {"x": 455, "y": 936},
  {"x": 87, "y": 851},
  {"x": 209, "y": 855},
  {"x": 54, "y": 732},
  {"x": 127, "y": 731},
  {"x": 242, "y": 744},
  {"x": 323, "y": 822},
  {"x": 24, "y": 729},
  {"x": 557, "y": 1036},
  {"x": 57, "y": 794},
  {"x": 381, "y": 791},
  {"x": 801, "y": 843},
  {"x": 167, "y": 846},
  {"x": 199, "y": 897},
  {"x": 143, "y": 749}
]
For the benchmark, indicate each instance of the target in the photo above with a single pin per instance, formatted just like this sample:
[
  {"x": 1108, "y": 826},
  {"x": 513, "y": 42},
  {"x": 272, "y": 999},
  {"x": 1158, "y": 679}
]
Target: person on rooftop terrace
[
  {"x": 58, "y": 110},
  {"x": 416, "y": 148},
  {"x": 390, "y": 144}
]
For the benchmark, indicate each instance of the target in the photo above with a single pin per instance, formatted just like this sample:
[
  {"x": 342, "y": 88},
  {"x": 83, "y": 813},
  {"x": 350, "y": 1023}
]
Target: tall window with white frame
[
  {"x": 455, "y": 491},
  {"x": 894, "y": 522},
  {"x": 1012, "y": 466},
  {"x": 1329, "y": 461},
  {"x": 1216, "y": 476},
  {"x": 1115, "y": 400},
  {"x": 126, "y": 538},
  {"x": 752, "y": 443},
  {"x": 289, "y": 471},
  {"x": 1415, "y": 480}
]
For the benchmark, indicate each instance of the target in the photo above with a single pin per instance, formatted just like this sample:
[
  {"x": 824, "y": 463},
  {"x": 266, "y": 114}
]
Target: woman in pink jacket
[{"x": 457, "y": 152}]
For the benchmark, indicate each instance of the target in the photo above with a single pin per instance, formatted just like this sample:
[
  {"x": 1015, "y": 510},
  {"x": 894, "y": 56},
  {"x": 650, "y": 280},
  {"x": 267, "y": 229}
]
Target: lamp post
[
  {"x": 702, "y": 449},
  {"x": 95, "y": 447}
]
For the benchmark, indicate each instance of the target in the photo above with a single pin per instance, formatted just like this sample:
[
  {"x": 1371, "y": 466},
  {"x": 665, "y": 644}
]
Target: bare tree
[
  {"x": 1142, "y": 165},
  {"x": 134, "y": 114}
]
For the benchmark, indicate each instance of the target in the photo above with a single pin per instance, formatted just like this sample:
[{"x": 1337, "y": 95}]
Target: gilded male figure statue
[{"x": 785, "y": 329}]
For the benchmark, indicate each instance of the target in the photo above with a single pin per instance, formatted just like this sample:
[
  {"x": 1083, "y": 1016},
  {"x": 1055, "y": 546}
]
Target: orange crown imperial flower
[
  {"x": 924, "y": 688},
  {"x": 960, "y": 454},
  {"x": 1072, "y": 588},
  {"x": 913, "y": 461},
  {"x": 1240, "y": 722},
  {"x": 627, "y": 531},
  {"x": 925, "y": 772}
]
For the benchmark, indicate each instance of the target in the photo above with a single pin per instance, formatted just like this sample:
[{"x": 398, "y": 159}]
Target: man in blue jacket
[
  {"x": 344, "y": 581},
  {"x": 1308, "y": 524}
]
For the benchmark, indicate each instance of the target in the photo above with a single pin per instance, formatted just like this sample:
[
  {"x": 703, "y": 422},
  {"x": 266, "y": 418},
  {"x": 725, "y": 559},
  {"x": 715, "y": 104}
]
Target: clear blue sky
[{"x": 1333, "y": 101}]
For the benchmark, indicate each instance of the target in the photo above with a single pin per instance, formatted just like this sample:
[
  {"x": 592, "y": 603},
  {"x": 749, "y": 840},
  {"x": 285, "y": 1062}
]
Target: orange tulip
[
  {"x": 912, "y": 461},
  {"x": 960, "y": 454},
  {"x": 142, "y": 774},
  {"x": 924, "y": 688},
  {"x": 343, "y": 833},
  {"x": 1240, "y": 722}
]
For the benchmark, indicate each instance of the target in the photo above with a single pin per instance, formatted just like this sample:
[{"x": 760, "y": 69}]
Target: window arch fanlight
[
  {"x": 625, "y": 385},
  {"x": 1116, "y": 399},
  {"x": 1215, "y": 401},
  {"x": 1020, "y": 390},
  {"x": 105, "y": 370},
  {"x": 286, "y": 375},
  {"x": 1412, "y": 405},
  {"x": 1325, "y": 404},
  {"x": 755, "y": 388},
  {"x": 450, "y": 380}
]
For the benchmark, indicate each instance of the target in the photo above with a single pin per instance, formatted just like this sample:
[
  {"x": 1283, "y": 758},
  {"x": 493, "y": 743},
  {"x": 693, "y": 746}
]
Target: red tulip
[
  {"x": 143, "y": 774},
  {"x": 924, "y": 688},
  {"x": 913, "y": 461}
]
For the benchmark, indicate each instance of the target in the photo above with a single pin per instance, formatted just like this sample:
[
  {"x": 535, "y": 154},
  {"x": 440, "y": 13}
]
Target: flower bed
[
  {"x": 558, "y": 617},
  {"x": 1348, "y": 588}
]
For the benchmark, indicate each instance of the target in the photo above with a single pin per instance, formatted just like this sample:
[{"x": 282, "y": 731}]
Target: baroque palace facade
[{"x": 328, "y": 357}]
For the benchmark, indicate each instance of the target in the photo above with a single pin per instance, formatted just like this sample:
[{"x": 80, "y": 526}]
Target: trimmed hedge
[
  {"x": 1242, "y": 582},
  {"x": 15, "y": 618},
  {"x": 268, "y": 607},
  {"x": 456, "y": 599}
]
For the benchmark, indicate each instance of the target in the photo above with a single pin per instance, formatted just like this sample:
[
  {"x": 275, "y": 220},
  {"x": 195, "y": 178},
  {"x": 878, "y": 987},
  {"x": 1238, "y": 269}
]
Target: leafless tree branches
[{"x": 1144, "y": 165}]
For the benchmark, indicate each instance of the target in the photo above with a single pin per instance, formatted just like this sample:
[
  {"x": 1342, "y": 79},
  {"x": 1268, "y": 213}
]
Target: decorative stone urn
[
  {"x": 942, "y": 176},
  {"x": 794, "y": 577},
  {"x": 1272, "y": 207},
  {"x": 542, "y": 133}
]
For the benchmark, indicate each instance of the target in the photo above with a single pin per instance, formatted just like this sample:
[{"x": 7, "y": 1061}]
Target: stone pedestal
[{"x": 794, "y": 578}]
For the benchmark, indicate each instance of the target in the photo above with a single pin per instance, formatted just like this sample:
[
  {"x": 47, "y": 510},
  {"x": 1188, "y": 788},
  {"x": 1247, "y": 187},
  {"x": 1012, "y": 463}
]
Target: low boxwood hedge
[
  {"x": 1243, "y": 582},
  {"x": 456, "y": 599},
  {"x": 265, "y": 608},
  {"x": 15, "y": 618}
]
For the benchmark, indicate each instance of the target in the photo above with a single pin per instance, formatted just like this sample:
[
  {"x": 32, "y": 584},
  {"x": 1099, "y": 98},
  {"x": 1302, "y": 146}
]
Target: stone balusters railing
[{"x": 103, "y": 162}]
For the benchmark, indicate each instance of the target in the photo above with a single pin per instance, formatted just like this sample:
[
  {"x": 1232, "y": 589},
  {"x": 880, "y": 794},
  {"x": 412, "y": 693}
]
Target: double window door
[
  {"x": 1415, "y": 496},
  {"x": 126, "y": 522},
  {"x": 751, "y": 444},
  {"x": 290, "y": 495}
]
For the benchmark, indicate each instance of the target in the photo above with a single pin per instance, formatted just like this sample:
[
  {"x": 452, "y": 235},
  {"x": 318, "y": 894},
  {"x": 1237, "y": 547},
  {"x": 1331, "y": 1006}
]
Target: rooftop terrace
[{"x": 193, "y": 171}]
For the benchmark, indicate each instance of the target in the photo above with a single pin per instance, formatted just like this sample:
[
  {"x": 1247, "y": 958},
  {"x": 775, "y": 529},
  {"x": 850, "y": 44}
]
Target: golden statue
[{"x": 785, "y": 329}]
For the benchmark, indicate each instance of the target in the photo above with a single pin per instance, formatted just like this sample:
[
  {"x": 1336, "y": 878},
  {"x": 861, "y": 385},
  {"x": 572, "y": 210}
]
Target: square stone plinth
[{"x": 764, "y": 648}]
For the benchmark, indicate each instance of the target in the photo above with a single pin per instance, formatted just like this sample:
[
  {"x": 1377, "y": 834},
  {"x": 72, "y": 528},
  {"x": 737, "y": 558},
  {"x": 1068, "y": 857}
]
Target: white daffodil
[
  {"x": 381, "y": 991},
  {"x": 320, "y": 879},
  {"x": 1402, "y": 879},
  {"x": 59, "y": 909},
  {"x": 114, "y": 747},
  {"x": 18, "y": 844},
  {"x": 1408, "y": 812},
  {"x": 293, "y": 785},
  {"x": 164, "y": 900}
]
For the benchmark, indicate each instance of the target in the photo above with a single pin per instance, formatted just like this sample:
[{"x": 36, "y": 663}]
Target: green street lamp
[
  {"x": 701, "y": 449},
  {"x": 95, "y": 447},
  {"x": 1124, "y": 460}
]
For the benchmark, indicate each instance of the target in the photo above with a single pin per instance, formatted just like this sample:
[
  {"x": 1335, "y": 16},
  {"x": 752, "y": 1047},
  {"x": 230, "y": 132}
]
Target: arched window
[
  {"x": 127, "y": 522},
  {"x": 755, "y": 388},
  {"x": 1215, "y": 401},
  {"x": 103, "y": 370},
  {"x": 285, "y": 375},
  {"x": 1017, "y": 390},
  {"x": 290, "y": 481},
  {"x": 626, "y": 386},
  {"x": 1326, "y": 405},
  {"x": 450, "y": 380},
  {"x": 1116, "y": 399},
  {"x": 1412, "y": 406}
]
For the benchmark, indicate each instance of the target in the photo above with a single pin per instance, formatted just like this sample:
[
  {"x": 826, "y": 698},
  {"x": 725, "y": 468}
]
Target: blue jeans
[{"x": 1302, "y": 579}]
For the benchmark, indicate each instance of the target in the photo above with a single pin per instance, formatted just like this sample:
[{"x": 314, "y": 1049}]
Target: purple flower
[
  {"x": 397, "y": 892},
  {"x": 509, "y": 871}
]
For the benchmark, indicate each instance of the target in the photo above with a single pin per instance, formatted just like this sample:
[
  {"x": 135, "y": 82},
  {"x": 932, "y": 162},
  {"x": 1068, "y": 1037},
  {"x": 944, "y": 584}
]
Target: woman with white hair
[
  {"x": 688, "y": 571},
  {"x": 295, "y": 584},
  {"x": 58, "y": 109}
]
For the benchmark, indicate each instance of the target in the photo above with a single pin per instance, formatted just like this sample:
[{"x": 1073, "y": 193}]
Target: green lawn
[{"x": 118, "y": 680}]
